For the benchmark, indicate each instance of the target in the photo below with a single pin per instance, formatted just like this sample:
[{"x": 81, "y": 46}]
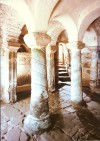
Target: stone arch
[
  {"x": 26, "y": 15},
  {"x": 96, "y": 25},
  {"x": 11, "y": 25},
  {"x": 54, "y": 31},
  {"x": 69, "y": 26},
  {"x": 87, "y": 17}
]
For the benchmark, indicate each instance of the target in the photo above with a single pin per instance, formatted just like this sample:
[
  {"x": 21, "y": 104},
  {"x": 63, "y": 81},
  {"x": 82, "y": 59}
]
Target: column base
[
  {"x": 14, "y": 99},
  {"x": 36, "y": 126},
  {"x": 8, "y": 99},
  {"x": 5, "y": 97},
  {"x": 5, "y": 100}
]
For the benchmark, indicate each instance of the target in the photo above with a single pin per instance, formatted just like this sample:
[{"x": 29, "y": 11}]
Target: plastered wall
[{"x": 23, "y": 68}]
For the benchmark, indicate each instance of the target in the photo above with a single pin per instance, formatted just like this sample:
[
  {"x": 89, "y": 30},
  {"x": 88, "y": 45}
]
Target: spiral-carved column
[
  {"x": 50, "y": 50},
  {"x": 38, "y": 119},
  {"x": 76, "y": 73}
]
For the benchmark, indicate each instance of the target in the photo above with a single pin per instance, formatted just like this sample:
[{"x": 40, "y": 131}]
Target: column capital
[
  {"x": 75, "y": 45},
  {"x": 13, "y": 48},
  {"x": 51, "y": 49},
  {"x": 37, "y": 39}
]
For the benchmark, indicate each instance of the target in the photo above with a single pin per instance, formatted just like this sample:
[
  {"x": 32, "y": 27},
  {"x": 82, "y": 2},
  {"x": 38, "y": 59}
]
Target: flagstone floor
[{"x": 68, "y": 124}]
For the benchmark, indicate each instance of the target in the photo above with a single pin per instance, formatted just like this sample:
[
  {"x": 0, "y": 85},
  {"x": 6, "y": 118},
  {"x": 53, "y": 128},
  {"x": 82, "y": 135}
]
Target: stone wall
[
  {"x": 86, "y": 63},
  {"x": 23, "y": 68}
]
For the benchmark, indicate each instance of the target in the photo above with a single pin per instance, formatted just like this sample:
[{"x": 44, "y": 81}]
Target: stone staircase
[{"x": 63, "y": 76}]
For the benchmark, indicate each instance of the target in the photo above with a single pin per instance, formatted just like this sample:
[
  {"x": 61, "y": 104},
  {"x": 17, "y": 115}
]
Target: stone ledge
[{"x": 23, "y": 87}]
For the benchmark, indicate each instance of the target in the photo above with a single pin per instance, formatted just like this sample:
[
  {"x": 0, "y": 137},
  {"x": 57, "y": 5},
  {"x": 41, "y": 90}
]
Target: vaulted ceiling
[{"x": 11, "y": 24}]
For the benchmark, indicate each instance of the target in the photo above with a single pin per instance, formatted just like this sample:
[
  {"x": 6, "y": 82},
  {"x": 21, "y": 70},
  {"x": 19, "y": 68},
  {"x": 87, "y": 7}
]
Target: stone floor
[{"x": 68, "y": 124}]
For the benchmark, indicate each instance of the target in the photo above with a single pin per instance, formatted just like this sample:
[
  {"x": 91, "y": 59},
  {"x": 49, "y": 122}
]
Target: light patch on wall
[{"x": 90, "y": 38}]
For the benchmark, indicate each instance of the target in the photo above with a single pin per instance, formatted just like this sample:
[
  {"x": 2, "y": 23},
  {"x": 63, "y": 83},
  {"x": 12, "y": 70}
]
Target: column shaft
[
  {"x": 5, "y": 76},
  {"x": 39, "y": 96},
  {"x": 68, "y": 61},
  {"x": 76, "y": 76},
  {"x": 50, "y": 50},
  {"x": 9, "y": 71},
  {"x": 93, "y": 70},
  {"x": 50, "y": 72},
  {"x": 39, "y": 109},
  {"x": 76, "y": 72},
  {"x": 63, "y": 55},
  {"x": 12, "y": 76},
  {"x": 56, "y": 60},
  {"x": 38, "y": 119}
]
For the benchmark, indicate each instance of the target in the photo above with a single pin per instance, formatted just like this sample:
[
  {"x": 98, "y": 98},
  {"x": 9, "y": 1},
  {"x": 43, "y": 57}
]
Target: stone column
[
  {"x": 69, "y": 67},
  {"x": 93, "y": 68},
  {"x": 38, "y": 118},
  {"x": 56, "y": 61},
  {"x": 76, "y": 72},
  {"x": 50, "y": 50},
  {"x": 13, "y": 73},
  {"x": 67, "y": 58},
  {"x": 5, "y": 96},
  {"x": 9, "y": 71},
  {"x": 63, "y": 54}
]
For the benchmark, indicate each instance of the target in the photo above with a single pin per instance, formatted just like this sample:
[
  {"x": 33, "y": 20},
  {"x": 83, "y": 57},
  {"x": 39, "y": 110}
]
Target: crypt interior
[{"x": 50, "y": 70}]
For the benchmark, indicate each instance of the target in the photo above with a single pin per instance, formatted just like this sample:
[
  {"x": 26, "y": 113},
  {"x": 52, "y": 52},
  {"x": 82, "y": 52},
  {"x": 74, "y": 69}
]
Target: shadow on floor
[
  {"x": 89, "y": 121},
  {"x": 94, "y": 96},
  {"x": 86, "y": 90}
]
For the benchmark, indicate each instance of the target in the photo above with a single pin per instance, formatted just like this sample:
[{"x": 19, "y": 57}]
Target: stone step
[
  {"x": 61, "y": 66},
  {"x": 64, "y": 78},
  {"x": 63, "y": 73},
  {"x": 23, "y": 87},
  {"x": 60, "y": 63},
  {"x": 61, "y": 69},
  {"x": 66, "y": 82}
]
